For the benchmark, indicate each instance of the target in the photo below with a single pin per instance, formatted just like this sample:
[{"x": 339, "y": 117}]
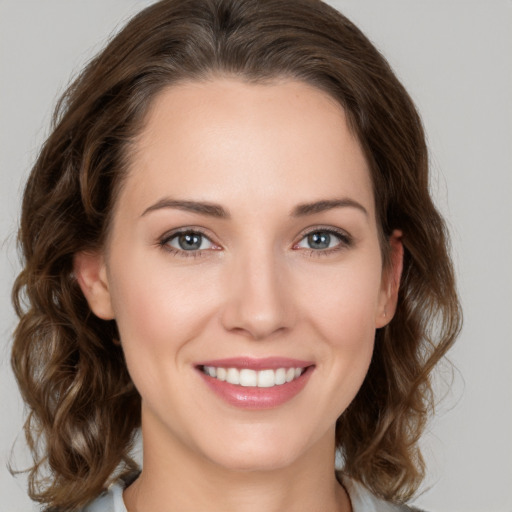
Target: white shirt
[{"x": 362, "y": 500}]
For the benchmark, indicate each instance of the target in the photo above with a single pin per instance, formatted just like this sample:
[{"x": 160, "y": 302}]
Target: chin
[
  {"x": 255, "y": 453},
  {"x": 254, "y": 462}
]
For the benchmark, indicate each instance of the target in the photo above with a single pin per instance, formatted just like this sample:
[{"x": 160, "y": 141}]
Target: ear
[
  {"x": 390, "y": 281},
  {"x": 91, "y": 274}
]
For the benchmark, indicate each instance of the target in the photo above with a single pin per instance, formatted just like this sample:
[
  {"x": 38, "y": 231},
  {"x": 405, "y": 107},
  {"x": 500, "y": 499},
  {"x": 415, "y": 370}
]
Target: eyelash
[
  {"x": 345, "y": 241},
  {"x": 164, "y": 243}
]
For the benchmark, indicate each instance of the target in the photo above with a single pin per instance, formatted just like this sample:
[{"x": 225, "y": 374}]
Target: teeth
[
  {"x": 253, "y": 378},
  {"x": 248, "y": 377},
  {"x": 233, "y": 376},
  {"x": 280, "y": 376},
  {"x": 267, "y": 378}
]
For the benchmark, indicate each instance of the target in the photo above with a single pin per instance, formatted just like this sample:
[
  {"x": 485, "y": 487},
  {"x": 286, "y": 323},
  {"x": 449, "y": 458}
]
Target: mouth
[
  {"x": 247, "y": 377},
  {"x": 256, "y": 384}
]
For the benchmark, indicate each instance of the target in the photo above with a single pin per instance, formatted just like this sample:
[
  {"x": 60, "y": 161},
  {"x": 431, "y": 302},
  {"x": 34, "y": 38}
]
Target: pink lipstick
[{"x": 256, "y": 383}]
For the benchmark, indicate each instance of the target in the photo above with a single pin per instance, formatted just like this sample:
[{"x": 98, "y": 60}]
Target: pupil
[
  {"x": 190, "y": 241},
  {"x": 319, "y": 240}
]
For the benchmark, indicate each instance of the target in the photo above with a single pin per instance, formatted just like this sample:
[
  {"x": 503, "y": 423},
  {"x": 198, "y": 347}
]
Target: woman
[{"x": 229, "y": 242}]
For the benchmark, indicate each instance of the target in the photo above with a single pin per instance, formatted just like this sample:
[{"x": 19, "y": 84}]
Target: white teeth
[
  {"x": 211, "y": 371},
  {"x": 248, "y": 377},
  {"x": 252, "y": 378},
  {"x": 266, "y": 379},
  {"x": 233, "y": 376},
  {"x": 280, "y": 376}
]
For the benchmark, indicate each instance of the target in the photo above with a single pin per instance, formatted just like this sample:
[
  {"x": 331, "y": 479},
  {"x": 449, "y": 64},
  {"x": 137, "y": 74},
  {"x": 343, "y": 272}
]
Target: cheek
[
  {"x": 342, "y": 303},
  {"x": 157, "y": 307},
  {"x": 338, "y": 306}
]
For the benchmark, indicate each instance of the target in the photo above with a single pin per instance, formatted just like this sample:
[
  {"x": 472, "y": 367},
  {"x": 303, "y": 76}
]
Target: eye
[
  {"x": 324, "y": 240},
  {"x": 187, "y": 241}
]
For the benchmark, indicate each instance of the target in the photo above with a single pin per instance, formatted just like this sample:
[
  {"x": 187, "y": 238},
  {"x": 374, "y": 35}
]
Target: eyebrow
[
  {"x": 203, "y": 208},
  {"x": 217, "y": 211},
  {"x": 304, "y": 209}
]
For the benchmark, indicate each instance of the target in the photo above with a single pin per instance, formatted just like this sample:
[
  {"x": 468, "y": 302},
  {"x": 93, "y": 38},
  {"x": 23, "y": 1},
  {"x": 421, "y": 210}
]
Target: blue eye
[
  {"x": 321, "y": 240},
  {"x": 188, "y": 241}
]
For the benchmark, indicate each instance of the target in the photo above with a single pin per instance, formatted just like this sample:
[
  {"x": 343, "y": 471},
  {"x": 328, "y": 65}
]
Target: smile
[
  {"x": 252, "y": 378},
  {"x": 249, "y": 383}
]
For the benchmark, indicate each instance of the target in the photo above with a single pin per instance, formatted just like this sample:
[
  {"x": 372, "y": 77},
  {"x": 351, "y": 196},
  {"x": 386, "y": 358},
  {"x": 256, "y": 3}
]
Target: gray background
[{"x": 454, "y": 56}]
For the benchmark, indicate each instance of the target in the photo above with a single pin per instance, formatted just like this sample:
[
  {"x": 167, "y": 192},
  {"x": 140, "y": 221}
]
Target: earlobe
[
  {"x": 391, "y": 280},
  {"x": 91, "y": 275}
]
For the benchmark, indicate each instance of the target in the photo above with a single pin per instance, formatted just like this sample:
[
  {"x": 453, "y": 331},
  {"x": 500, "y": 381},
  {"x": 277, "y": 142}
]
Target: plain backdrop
[{"x": 454, "y": 57}]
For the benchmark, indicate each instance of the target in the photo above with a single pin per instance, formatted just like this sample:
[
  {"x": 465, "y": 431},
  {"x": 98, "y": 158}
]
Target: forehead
[{"x": 226, "y": 140}]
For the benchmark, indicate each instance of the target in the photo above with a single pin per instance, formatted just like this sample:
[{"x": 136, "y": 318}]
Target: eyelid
[
  {"x": 346, "y": 240},
  {"x": 163, "y": 241}
]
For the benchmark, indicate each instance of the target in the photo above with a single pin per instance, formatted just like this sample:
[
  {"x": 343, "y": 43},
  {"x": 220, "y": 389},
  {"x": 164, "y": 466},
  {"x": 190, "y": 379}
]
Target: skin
[{"x": 256, "y": 288}]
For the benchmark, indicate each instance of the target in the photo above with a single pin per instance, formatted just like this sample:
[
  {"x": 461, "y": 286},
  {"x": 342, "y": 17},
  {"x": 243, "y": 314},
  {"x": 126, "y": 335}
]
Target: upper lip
[{"x": 265, "y": 363}]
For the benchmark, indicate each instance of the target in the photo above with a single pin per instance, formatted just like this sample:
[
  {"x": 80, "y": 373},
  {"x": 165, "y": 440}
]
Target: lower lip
[{"x": 254, "y": 397}]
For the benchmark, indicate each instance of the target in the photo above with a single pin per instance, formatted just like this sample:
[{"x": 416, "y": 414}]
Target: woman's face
[{"x": 244, "y": 244}]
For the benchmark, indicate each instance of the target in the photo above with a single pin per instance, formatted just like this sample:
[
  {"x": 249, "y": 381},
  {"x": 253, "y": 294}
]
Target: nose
[{"x": 259, "y": 301}]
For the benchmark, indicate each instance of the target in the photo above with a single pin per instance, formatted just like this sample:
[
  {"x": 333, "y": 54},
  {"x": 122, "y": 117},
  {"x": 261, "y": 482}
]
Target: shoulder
[
  {"x": 364, "y": 501},
  {"x": 109, "y": 501}
]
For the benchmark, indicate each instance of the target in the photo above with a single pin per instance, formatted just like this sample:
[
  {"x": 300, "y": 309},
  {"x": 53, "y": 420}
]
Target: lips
[
  {"x": 254, "y": 378},
  {"x": 256, "y": 383}
]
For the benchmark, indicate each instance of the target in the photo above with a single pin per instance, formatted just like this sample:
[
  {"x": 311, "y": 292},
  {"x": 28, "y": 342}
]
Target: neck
[{"x": 175, "y": 478}]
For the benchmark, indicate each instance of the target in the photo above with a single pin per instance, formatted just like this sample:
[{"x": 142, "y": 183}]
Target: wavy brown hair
[{"x": 83, "y": 408}]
